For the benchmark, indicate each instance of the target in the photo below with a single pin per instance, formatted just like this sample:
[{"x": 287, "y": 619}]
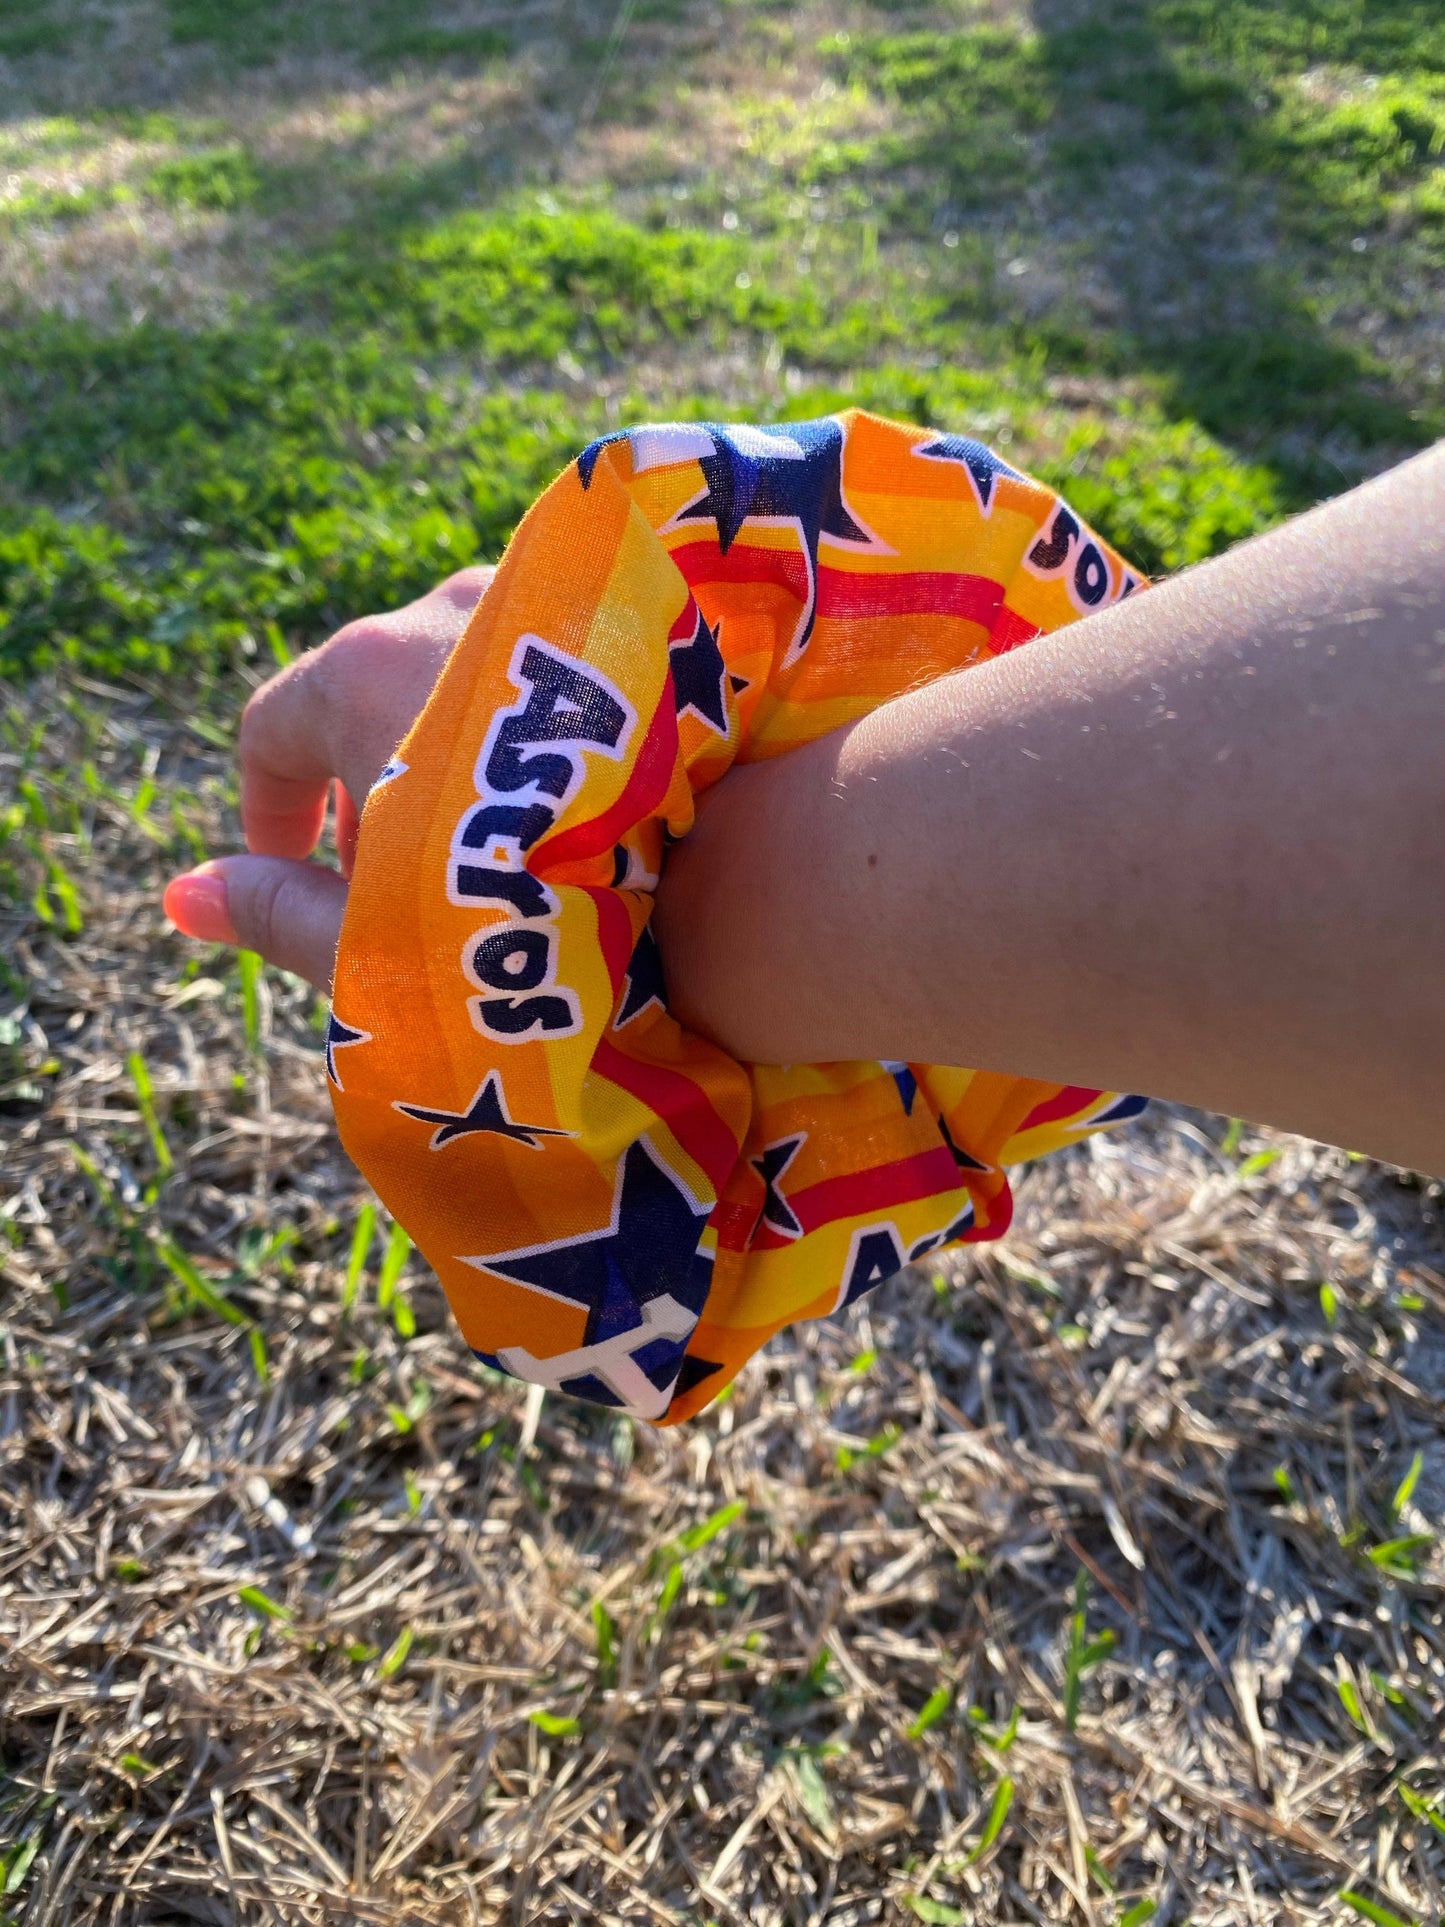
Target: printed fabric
[{"x": 616, "y": 1208}]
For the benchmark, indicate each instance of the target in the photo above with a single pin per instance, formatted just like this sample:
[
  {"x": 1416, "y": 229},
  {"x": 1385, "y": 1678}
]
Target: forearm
[{"x": 1194, "y": 846}]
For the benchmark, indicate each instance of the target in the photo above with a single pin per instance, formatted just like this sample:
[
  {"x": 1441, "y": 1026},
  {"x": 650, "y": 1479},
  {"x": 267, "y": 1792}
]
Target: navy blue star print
[
  {"x": 338, "y": 1036},
  {"x": 699, "y": 677},
  {"x": 486, "y": 1112},
  {"x": 982, "y": 464},
  {"x": 960, "y": 1158},
  {"x": 1121, "y": 1110},
  {"x": 792, "y": 473},
  {"x": 646, "y": 1253},
  {"x": 778, "y": 1214},
  {"x": 644, "y": 981},
  {"x": 693, "y": 1372},
  {"x": 905, "y": 1080},
  {"x": 587, "y": 460}
]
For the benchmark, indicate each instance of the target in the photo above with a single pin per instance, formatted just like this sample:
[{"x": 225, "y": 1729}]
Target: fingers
[
  {"x": 340, "y": 711},
  {"x": 348, "y": 825},
  {"x": 336, "y": 714},
  {"x": 290, "y": 912}
]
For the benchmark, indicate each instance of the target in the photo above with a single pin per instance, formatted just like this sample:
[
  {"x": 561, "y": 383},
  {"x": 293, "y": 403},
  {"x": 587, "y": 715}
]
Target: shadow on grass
[
  {"x": 1233, "y": 225},
  {"x": 1203, "y": 216}
]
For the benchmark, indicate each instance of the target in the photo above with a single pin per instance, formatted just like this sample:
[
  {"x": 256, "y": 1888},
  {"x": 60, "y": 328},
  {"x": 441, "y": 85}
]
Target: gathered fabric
[{"x": 615, "y": 1207}]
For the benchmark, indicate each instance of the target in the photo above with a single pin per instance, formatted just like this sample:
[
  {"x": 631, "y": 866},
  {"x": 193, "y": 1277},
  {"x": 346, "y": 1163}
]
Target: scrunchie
[{"x": 616, "y": 1208}]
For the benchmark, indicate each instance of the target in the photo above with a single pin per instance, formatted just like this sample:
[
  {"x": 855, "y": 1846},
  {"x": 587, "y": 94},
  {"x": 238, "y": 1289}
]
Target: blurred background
[{"x": 1094, "y": 1575}]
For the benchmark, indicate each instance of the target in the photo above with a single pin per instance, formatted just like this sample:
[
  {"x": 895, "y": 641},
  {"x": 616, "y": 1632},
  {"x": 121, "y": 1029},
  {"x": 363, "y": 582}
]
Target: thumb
[{"x": 291, "y": 912}]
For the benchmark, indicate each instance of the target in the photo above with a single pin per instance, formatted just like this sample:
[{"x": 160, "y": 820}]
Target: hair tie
[{"x": 616, "y": 1208}]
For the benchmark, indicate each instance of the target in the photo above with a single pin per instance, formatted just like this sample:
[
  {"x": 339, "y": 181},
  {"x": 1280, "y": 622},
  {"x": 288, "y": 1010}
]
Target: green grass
[
  {"x": 216, "y": 177},
  {"x": 417, "y": 336},
  {"x": 254, "y": 32}
]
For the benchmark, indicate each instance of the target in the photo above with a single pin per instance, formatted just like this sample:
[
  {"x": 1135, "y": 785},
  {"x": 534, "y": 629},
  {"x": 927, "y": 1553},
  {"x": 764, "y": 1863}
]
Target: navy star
[
  {"x": 960, "y": 1158},
  {"x": 587, "y": 460},
  {"x": 778, "y": 1214},
  {"x": 486, "y": 1112},
  {"x": 789, "y": 473},
  {"x": 338, "y": 1036},
  {"x": 644, "y": 981},
  {"x": 699, "y": 676},
  {"x": 905, "y": 1080},
  {"x": 693, "y": 1372},
  {"x": 982, "y": 464},
  {"x": 647, "y": 1251}
]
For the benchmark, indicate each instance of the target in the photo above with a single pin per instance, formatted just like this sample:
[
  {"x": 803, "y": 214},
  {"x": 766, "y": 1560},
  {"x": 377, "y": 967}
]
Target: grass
[
  {"x": 404, "y": 370},
  {"x": 306, "y": 1616}
]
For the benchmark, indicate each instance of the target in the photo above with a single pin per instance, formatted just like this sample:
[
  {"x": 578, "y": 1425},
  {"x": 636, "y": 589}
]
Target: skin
[{"x": 1193, "y": 845}]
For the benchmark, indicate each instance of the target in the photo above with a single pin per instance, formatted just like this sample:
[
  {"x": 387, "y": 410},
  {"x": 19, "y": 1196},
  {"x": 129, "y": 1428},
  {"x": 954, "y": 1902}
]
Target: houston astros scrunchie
[{"x": 616, "y": 1208}]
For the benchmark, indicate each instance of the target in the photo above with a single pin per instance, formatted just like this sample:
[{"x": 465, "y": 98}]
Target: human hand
[{"x": 333, "y": 715}]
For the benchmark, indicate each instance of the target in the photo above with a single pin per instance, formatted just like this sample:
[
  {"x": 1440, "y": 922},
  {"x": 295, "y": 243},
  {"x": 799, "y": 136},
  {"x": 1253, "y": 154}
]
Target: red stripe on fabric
[
  {"x": 702, "y": 562},
  {"x": 734, "y": 1224},
  {"x": 682, "y": 1105},
  {"x": 1073, "y": 1098},
  {"x": 857, "y": 1193},
  {"x": 686, "y": 624},
  {"x": 643, "y": 791},
  {"x": 614, "y": 932},
  {"x": 1000, "y": 1209},
  {"x": 1010, "y": 630},
  {"x": 844, "y": 593}
]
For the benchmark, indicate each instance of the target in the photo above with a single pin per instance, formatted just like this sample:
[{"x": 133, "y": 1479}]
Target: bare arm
[{"x": 1193, "y": 846}]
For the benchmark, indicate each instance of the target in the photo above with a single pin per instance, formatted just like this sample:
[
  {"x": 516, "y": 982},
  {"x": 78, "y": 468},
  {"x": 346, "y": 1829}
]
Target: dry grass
[{"x": 285, "y": 1644}]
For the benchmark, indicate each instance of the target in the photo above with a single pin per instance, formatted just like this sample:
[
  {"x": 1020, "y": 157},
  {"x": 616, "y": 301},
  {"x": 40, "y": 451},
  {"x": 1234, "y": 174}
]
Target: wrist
[{"x": 758, "y": 912}]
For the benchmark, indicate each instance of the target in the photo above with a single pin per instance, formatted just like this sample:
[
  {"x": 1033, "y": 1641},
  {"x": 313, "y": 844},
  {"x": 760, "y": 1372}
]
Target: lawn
[{"x": 1099, "y": 1574}]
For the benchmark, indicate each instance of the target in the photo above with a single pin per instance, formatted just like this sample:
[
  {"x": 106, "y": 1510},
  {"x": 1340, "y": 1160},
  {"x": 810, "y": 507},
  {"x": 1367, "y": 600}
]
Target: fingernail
[{"x": 196, "y": 905}]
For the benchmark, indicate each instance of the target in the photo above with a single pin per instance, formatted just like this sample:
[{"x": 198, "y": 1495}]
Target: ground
[{"x": 1097, "y": 1573}]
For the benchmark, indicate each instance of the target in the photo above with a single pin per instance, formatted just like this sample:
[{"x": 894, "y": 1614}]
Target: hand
[{"x": 334, "y": 715}]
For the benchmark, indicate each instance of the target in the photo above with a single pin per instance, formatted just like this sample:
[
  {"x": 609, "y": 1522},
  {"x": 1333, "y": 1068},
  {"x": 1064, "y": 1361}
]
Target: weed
[
  {"x": 1141, "y": 1911},
  {"x": 394, "y": 1657},
  {"x": 557, "y": 1726},
  {"x": 1082, "y": 1654},
  {"x": 931, "y": 1712},
  {"x": 847, "y": 1456},
  {"x": 145, "y": 1097},
  {"x": 361, "y": 1241},
  {"x": 393, "y": 1263},
  {"x": 1373, "y": 1911},
  {"x": 607, "y": 1658},
  {"x": 993, "y": 1826},
  {"x": 1405, "y": 1491},
  {"x": 262, "y": 1603},
  {"x": 15, "y": 1862}
]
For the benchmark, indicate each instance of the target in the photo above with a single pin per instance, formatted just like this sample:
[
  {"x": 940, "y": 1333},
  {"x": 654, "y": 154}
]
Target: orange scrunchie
[{"x": 615, "y": 1207}]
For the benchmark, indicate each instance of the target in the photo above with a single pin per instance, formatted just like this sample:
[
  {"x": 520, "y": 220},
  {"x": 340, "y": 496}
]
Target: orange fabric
[{"x": 614, "y": 1207}]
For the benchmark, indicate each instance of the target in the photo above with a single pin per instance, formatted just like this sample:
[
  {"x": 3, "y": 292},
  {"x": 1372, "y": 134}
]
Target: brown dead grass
[{"x": 1108, "y": 1392}]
